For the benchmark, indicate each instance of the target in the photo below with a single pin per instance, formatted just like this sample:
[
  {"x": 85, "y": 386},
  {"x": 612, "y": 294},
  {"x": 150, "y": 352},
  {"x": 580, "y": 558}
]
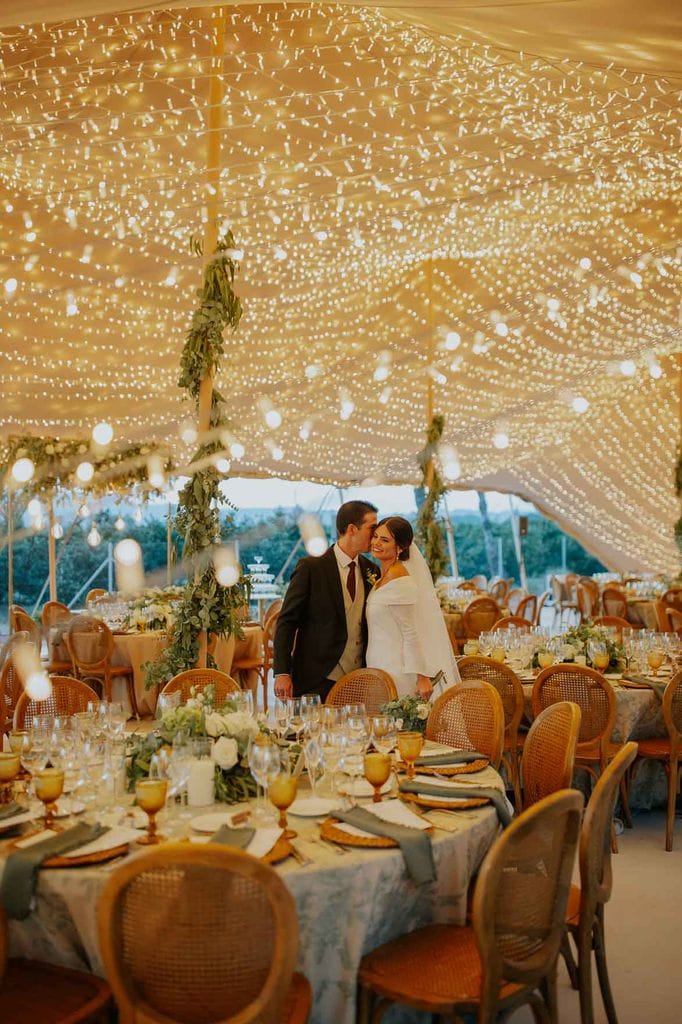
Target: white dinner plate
[
  {"x": 212, "y": 822},
  {"x": 362, "y": 788},
  {"x": 19, "y": 819},
  {"x": 312, "y": 807}
]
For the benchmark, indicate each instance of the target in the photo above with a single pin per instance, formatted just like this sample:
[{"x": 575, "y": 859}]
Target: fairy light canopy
[{"x": 446, "y": 198}]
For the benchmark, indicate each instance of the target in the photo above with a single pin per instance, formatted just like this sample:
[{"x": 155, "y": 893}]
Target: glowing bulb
[
  {"x": 277, "y": 454},
  {"x": 628, "y": 368},
  {"x": 57, "y": 531},
  {"x": 23, "y": 470},
  {"x": 189, "y": 432},
  {"x": 226, "y": 566},
  {"x": 237, "y": 450},
  {"x": 312, "y": 371},
  {"x": 34, "y": 507},
  {"x": 580, "y": 404},
  {"x": 94, "y": 537},
  {"x": 280, "y": 253},
  {"x": 85, "y": 472},
  {"x": 155, "y": 471},
  {"x": 273, "y": 418},
  {"x": 452, "y": 341},
  {"x": 501, "y": 329},
  {"x": 321, "y": 236},
  {"x": 450, "y": 462},
  {"x": 382, "y": 373},
  {"x": 119, "y": 523},
  {"x": 128, "y": 552},
  {"x": 38, "y": 686},
  {"x": 129, "y": 571},
  {"x": 585, "y": 263},
  {"x": 305, "y": 430},
  {"x": 312, "y": 535},
  {"x": 11, "y": 285},
  {"x": 137, "y": 515},
  {"x": 501, "y": 439},
  {"x": 102, "y": 433},
  {"x": 223, "y": 465},
  {"x": 554, "y": 305},
  {"x": 655, "y": 370},
  {"x": 84, "y": 511}
]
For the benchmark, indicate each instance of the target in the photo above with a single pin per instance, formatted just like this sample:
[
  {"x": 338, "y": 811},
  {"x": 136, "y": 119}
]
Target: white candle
[{"x": 201, "y": 783}]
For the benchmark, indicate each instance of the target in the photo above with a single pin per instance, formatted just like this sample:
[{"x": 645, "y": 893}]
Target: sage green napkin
[
  {"x": 237, "y": 837},
  {"x": 454, "y": 757},
  {"x": 10, "y": 810},
  {"x": 20, "y": 876},
  {"x": 496, "y": 797},
  {"x": 653, "y": 684},
  {"x": 415, "y": 844}
]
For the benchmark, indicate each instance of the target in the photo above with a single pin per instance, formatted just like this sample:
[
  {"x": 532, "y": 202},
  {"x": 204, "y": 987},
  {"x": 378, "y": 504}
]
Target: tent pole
[
  {"x": 449, "y": 533},
  {"x": 169, "y": 545},
  {"x": 51, "y": 549},
  {"x": 429, "y": 379},
  {"x": 10, "y": 547},
  {"x": 518, "y": 548}
]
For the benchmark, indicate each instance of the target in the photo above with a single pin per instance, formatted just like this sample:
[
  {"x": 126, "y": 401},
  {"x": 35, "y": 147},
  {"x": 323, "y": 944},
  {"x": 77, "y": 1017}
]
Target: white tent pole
[
  {"x": 518, "y": 548},
  {"x": 10, "y": 547},
  {"x": 449, "y": 533},
  {"x": 169, "y": 544},
  {"x": 51, "y": 549}
]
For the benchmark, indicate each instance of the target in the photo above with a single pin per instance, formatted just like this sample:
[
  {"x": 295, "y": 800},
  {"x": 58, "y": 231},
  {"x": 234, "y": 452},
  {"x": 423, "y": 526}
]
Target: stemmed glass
[
  {"x": 264, "y": 764},
  {"x": 49, "y": 785},
  {"x": 9, "y": 769},
  {"x": 296, "y": 720},
  {"x": 410, "y": 746},
  {"x": 384, "y": 733},
  {"x": 282, "y": 793},
  {"x": 312, "y": 751},
  {"x": 655, "y": 657},
  {"x": 599, "y": 655},
  {"x": 117, "y": 717},
  {"x": 150, "y": 796},
  {"x": 282, "y": 711},
  {"x": 377, "y": 772}
]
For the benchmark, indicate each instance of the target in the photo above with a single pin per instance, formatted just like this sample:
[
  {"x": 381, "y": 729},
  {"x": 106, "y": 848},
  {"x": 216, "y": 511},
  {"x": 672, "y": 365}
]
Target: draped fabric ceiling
[{"x": 480, "y": 200}]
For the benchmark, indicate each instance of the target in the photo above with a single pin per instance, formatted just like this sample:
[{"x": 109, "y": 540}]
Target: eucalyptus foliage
[{"x": 429, "y": 534}]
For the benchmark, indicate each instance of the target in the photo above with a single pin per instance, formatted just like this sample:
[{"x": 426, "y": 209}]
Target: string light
[
  {"x": 103, "y": 434},
  {"x": 23, "y": 470},
  {"x": 226, "y": 566},
  {"x": 94, "y": 537},
  {"x": 85, "y": 472},
  {"x": 312, "y": 534},
  {"x": 119, "y": 523}
]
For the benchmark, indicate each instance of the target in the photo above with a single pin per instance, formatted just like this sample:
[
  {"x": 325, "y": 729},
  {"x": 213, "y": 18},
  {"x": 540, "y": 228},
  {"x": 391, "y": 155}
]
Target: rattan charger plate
[
  {"x": 432, "y": 801},
  {"x": 329, "y": 829},
  {"x": 447, "y": 769},
  {"x": 86, "y": 859}
]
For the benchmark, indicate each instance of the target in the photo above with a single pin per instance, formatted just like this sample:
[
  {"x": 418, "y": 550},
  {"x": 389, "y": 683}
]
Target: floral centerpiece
[
  {"x": 153, "y": 608},
  {"x": 576, "y": 641},
  {"x": 231, "y": 731},
  {"x": 410, "y": 712}
]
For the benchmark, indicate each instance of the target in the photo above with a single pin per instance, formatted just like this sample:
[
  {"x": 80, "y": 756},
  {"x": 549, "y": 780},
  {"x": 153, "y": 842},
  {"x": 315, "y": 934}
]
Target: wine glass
[
  {"x": 296, "y": 720},
  {"x": 377, "y": 772},
  {"x": 546, "y": 658},
  {"x": 49, "y": 786},
  {"x": 117, "y": 716},
  {"x": 384, "y": 731},
  {"x": 312, "y": 751},
  {"x": 281, "y": 712},
  {"x": 282, "y": 793},
  {"x": 264, "y": 764},
  {"x": 150, "y": 796},
  {"x": 410, "y": 746},
  {"x": 599, "y": 655},
  {"x": 9, "y": 769}
]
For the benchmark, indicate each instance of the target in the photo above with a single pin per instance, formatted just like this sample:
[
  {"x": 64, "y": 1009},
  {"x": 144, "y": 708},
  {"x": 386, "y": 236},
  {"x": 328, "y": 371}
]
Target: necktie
[{"x": 350, "y": 582}]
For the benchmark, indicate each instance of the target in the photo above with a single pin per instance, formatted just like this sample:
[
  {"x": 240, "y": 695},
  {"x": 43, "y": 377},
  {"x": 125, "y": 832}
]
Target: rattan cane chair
[
  {"x": 509, "y": 621},
  {"x": 514, "y": 599},
  {"x": 497, "y": 589},
  {"x": 198, "y": 679},
  {"x": 263, "y": 663},
  {"x": 94, "y": 595},
  {"x": 668, "y": 750},
  {"x": 469, "y": 715},
  {"x": 54, "y": 613},
  {"x": 509, "y": 687},
  {"x": 613, "y": 620},
  {"x": 481, "y": 615},
  {"x": 467, "y": 585},
  {"x": 562, "y": 597},
  {"x": 479, "y": 581},
  {"x": 21, "y": 622},
  {"x": 274, "y": 608},
  {"x": 542, "y": 601},
  {"x": 673, "y": 598},
  {"x": 33, "y": 992},
  {"x": 660, "y": 612},
  {"x": 674, "y": 620},
  {"x": 199, "y": 934},
  {"x": 90, "y": 643},
  {"x": 369, "y": 686},
  {"x": 509, "y": 952},
  {"x": 614, "y": 602},
  {"x": 585, "y": 912},
  {"x": 549, "y": 752},
  {"x": 527, "y": 608},
  {"x": 68, "y": 696},
  {"x": 11, "y": 687}
]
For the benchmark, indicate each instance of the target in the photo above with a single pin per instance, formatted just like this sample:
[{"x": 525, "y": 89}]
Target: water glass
[{"x": 384, "y": 732}]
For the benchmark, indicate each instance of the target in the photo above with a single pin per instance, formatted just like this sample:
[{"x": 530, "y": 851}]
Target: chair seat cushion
[
  {"x": 299, "y": 1000},
  {"x": 433, "y": 967},
  {"x": 41, "y": 993},
  {"x": 659, "y": 748}
]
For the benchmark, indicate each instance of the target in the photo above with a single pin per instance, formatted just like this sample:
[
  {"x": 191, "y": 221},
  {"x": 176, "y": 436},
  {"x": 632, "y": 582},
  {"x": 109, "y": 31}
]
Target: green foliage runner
[{"x": 429, "y": 535}]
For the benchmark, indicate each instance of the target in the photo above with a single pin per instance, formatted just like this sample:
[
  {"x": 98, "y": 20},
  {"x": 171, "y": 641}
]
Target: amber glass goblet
[
  {"x": 410, "y": 747},
  {"x": 377, "y": 772},
  {"x": 9, "y": 769},
  {"x": 150, "y": 795},
  {"x": 49, "y": 786},
  {"x": 282, "y": 793}
]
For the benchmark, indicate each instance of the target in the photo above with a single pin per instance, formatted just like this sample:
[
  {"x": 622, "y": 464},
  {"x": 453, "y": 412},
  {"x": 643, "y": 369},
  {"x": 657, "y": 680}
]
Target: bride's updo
[{"x": 402, "y": 534}]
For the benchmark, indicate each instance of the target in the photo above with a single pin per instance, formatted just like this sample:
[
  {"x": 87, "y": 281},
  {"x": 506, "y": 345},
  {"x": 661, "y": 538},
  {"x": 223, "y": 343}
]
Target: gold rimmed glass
[
  {"x": 377, "y": 772},
  {"x": 49, "y": 786},
  {"x": 410, "y": 747},
  {"x": 150, "y": 796}
]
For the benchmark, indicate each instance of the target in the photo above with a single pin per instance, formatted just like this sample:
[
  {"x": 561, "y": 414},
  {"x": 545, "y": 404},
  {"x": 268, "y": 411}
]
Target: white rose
[
  {"x": 423, "y": 711},
  {"x": 240, "y": 725},
  {"x": 225, "y": 753},
  {"x": 215, "y": 724},
  {"x": 568, "y": 652}
]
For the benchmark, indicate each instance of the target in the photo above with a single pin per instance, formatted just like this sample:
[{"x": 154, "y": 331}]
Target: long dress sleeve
[{"x": 413, "y": 657}]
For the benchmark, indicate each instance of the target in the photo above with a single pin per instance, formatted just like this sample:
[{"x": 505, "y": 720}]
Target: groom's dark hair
[{"x": 352, "y": 513}]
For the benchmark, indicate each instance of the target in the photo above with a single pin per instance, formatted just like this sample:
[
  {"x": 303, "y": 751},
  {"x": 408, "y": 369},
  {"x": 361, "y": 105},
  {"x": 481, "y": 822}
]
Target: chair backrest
[
  {"x": 672, "y": 712},
  {"x": 94, "y": 595},
  {"x": 511, "y": 620},
  {"x": 526, "y": 608},
  {"x": 67, "y": 697},
  {"x": 542, "y": 601},
  {"x": 479, "y": 581},
  {"x": 661, "y": 616},
  {"x": 481, "y": 614},
  {"x": 467, "y": 585},
  {"x": 369, "y": 686},
  {"x": 199, "y": 678},
  {"x": 274, "y": 608},
  {"x": 585, "y": 603},
  {"x": 589, "y": 690},
  {"x": 89, "y": 642},
  {"x": 557, "y": 589},
  {"x": 614, "y": 602},
  {"x": 514, "y": 598},
  {"x": 198, "y": 934},
  {"x": 549, "y": 751},
  {"x": 497, "y": 589},
  {"x": 674, "y": 619},
  {"x": 673, "y": 598},
  {"x": 21, "y": 622},
  {"x": 521, "y": 895},
  {"x": 613, "y": 620},
  {"x": 469, "y": 715},
  {"x": 11, "y": 686},
  {"x": 505, "y": 681},
  {"x": 52, "y": 613},
  {"x": 570, "y": 583}
]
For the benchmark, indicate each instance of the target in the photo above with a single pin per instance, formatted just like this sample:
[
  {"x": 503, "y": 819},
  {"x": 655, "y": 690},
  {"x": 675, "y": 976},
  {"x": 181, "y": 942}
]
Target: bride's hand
[{"x": 424, "y": 687}]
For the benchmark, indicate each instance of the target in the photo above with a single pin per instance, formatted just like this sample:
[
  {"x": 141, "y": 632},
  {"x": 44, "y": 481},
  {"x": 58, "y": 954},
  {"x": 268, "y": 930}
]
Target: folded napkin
[
  {"x": 496, "y": 796},
  {"x": 653, "y": 684},
  {"x": 9, "y": 810},
  {"x": 237, "y": 837},
  {"x": 415, "y": 845},
  {"x": 20, "y": 876},
  {"x": 454, "y": 757}
]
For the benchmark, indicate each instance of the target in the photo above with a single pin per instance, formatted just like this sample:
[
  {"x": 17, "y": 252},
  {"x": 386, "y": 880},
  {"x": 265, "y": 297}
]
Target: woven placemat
[
  {"x": 432, "y": 801},
  {"x": 446, "y": 769},
  {"x": 98, "y": 857},
  {"x": 329, "y": 830}
]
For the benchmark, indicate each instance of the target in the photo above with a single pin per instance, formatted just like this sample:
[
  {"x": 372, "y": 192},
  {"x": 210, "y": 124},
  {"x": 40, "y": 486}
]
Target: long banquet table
[{"x": 347, "y": 904}]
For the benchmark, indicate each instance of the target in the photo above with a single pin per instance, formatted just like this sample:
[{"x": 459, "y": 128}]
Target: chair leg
[
  {"x": 602, "y": 969},
  {"x": 549, "y": 990},
  {"x": 584, "y": 944},
  {"x": 625, "y": 800},
  {"x": 130, "y": 685},
  {"x": 567, "y": 954},
  {"x": 515, "y": 772},
  {"x": 671, "y": 771},
  {"x": 364, "y": 1007}
]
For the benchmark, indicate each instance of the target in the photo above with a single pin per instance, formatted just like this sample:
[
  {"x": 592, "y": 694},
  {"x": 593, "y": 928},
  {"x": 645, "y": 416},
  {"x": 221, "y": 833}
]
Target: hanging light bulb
[
  {"x": 237, "y": 450},
  {"x": 312, "y": 535},
  {"x": 34, "y": 507},
  {"x": 23, "y": 470},
  {"x": 189, "y": 432},
  {"x": 155, "y": 471},
  {"x": 57, "y": 531},
  {"x": 128, "y": 562},
  {"x": 85, "y": 472},
  {"x": 94, "y": 537},
  {"x": 137, "y": 514},
  {"x": 450, "y": 462},
  {"x": 222, "y": 465},
  {"x": 501, "y": 439},
  {"x": 84, "y": 511},
  {"x": 580, "y": 404},
  {"x": 226, "y": 565},
  {"x": 119, "y": 523},
  {"x": 102, "y": 434}
]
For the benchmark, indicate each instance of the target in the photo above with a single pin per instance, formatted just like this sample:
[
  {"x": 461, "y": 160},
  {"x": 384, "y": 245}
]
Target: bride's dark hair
[{"x": 402, "y": 534}]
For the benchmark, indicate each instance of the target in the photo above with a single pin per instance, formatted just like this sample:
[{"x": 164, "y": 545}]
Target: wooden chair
[
  {"x": 585, "y": 912},
  {"x": 497, "y": 589},
  {"x": 21, "y": 622},
  {"x": 673, "y": 598},
  {"x": 674, "y": 618},
  {"x": 467, "y": 585},
  {"x": 585, "y": 600},
  {"x": 509, "y": 687},
  {"x": 542, "y": 601},
  {"x": 90, "y": 643},
  {"x": 597, "y": 702},
  {"x": 53, "y": 613},
  {"x": 511, "y": 620},
  {"x": 549, "y": 752},
  {"x": 668, "y": 750},
  {"x": 593, "y": 589},
  {"x": 263, "y": 663},
  {"x": 563, "y": 600},
  {"x": 274, "y": 608},
  {"x": 481, "y": 614},
  {"x": 197, "y": 934},
  {"x": 369, "y": 686},
  {"x": 614, "y": 602},
  {"x": 199, "y": 678},
  {"x": 68, "y": 696},
  {"x": 479, "y": 581},
  {"x": 11, "y": 686},
  {"x": 469, "y": 715},
  {"x": 34, "y": 992},
  {"x": 660, "y": 611},
  {"x": 514, "y": 599},
  {"x": 613, "y": 620},
  {"x": 527, "y": 609},
  {"x": 94, "y": 595},
  {"x": 510, "y": 950}
]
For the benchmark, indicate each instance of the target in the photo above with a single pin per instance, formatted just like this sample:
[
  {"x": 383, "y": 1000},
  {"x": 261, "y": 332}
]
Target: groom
[{"x": 321, "y": 630}]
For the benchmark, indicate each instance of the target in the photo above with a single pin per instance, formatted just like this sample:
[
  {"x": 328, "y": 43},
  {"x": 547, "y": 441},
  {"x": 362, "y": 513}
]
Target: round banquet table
[{"x": 347, "y": 905}]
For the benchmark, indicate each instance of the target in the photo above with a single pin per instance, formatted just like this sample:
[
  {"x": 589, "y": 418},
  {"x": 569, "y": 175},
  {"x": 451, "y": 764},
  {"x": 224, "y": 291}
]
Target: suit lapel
[{"x": 332, "y": 570}]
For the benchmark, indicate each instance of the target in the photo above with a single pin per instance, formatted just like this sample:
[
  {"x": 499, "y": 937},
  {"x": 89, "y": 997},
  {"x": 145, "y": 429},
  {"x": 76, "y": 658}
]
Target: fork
[{"x": 300, "y": 857}]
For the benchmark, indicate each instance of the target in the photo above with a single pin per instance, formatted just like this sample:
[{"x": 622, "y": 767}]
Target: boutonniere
[{"x": 372, "y": 578}]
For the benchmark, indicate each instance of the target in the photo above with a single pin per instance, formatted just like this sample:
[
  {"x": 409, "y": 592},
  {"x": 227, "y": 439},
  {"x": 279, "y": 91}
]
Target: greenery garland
[
  {"x": 678, "y": 491},
  {"x": 428, "y": 532},
  {"x": 206, "y": 606}
]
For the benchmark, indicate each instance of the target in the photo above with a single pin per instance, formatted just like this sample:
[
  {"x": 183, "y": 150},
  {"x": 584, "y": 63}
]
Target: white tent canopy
[{"x": 477, "y": 200}]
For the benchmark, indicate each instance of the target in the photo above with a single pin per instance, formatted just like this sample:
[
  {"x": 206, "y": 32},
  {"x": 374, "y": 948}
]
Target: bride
[{"x": 407, "y": 634}]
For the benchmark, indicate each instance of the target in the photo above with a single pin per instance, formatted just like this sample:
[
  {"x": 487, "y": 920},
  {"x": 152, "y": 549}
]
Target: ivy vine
[
  {"x": 206, "y": 606},
  {"x": 428, "y": 532}
]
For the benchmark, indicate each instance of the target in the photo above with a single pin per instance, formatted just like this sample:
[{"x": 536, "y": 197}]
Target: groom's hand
[
  {"x": 284, "y": 686},
  {"x": 424, "y": 687}
]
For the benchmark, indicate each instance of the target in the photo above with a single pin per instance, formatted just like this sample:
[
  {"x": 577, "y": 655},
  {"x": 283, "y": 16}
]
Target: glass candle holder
[
  {"x": 377, "y": 772},
  {"x": 49, "y": 786},
  {"x": 410, "y": 747},
  {"x": 150, "y": 795}
]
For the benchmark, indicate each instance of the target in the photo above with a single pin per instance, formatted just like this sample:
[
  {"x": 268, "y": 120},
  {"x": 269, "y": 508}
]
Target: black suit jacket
[{"x": 311, "y": 629}]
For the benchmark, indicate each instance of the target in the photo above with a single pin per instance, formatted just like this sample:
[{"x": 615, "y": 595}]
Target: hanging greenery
[
  {"x": 678, "y": 475},
  {"x": 429, "y": 534},
  {"x": 206, "y": 606}
]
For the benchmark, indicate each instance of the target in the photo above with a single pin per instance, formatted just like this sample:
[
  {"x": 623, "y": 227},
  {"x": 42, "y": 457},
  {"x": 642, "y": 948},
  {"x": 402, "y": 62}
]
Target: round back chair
[
  {"x": 90, "y": 643},
  {"x": 613, "y": 620},
  {"x": 94, "y": 595},
  {"x": 198, "y": 934},
  {"x": 479, "y": 581},
  {"x": 542, "y": 601},
  {"x": 467, "y": 585},
  {"x": 673, "y": 598},
  {"x": 548, "y": 756},
  {"x": 614, "y": 602},
  {"x": 660, "y": 611},
  {"x": 52, "y": 613},
  {"x": 497, "y": 589},
  {"x": 674, "y": 618},
  {"x": 594, "y": 696},
  {"x": 586, "y": 605},
  {"x": 470, "y": 716},
  {"x": 198, "y": 679},
  {"x": 67, "y": 697},
  {"x": 274, "y": 608},
  {"x": 369, "y": 686},
  {"x": 514, "y": 599},
  {"x": 481, "y": 615},
  {"x": 21, "y": 622},
  {"x": 527, "y": 608},
  {"x": 511, "y": 620}
]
